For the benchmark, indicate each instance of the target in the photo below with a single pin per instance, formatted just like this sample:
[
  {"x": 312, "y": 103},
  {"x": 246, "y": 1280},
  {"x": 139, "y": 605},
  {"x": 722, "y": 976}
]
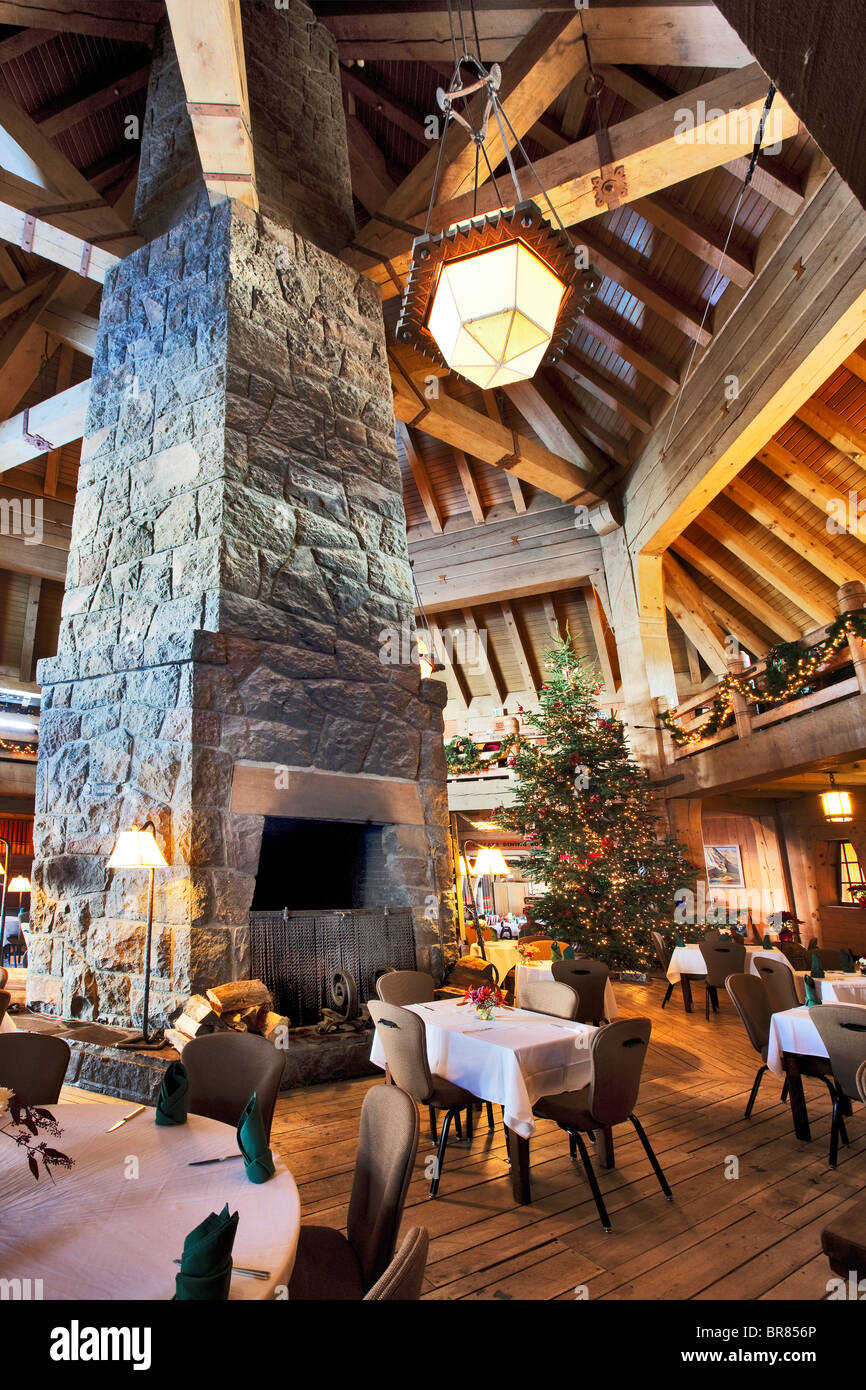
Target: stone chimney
[{"x": 238, "y": 560}]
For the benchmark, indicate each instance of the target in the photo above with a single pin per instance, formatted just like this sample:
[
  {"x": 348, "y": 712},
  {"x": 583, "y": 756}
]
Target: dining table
[
  {"x": 511, "y": 1060},
  {"x": 112, "y": 1225},
  {"x": 796, "y": 1049},
  {"x": 528, "y": 971},
  {"x": 687, "y": 964}
]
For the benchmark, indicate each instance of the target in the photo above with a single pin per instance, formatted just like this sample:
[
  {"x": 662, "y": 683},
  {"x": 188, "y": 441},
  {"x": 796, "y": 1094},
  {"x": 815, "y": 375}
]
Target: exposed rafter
[{"x": 744, "y": 594}]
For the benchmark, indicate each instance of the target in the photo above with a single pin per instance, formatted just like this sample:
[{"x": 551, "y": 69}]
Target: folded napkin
[
  {"x": 767, "y": 944},
  {"x": 817, "y": 967},
  {"x": 568, "y": 953},
  {"x": 253, "y": 1142},
  {"x": 206, "y": 1263},
  {"x": 846, "y": 963},
  {"x": 555, "y": 951},
  {"x": 813, "y": 993},
  {"x": 678, "y": 940},
  {"x": 171, "y": 1107}
]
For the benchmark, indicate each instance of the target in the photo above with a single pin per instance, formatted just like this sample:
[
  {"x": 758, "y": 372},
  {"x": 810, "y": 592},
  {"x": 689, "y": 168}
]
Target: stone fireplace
[{"x": 238, "y": 553}]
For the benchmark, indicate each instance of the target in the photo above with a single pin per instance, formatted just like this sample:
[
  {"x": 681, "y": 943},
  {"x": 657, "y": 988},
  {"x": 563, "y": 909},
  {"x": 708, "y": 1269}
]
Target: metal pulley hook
[{"x": 491, "y": 81}]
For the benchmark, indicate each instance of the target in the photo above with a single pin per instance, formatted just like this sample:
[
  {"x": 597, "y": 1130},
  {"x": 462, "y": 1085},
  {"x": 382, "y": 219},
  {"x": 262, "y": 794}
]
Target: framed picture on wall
[{"x": 724, "y": 866}]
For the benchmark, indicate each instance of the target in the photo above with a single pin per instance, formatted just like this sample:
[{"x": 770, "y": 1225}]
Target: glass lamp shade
[
  {"x": 494, "y": 312},
  {"x": 461, "y": 866},
  {"x": 490, "y": 861},
  {"x": 19, "y": 884},
  {"x": 837, "y": 806},
  {"x": 136, "y": 849}
]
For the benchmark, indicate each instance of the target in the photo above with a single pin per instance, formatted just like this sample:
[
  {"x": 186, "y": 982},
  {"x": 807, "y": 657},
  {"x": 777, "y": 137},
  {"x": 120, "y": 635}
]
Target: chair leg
[
  {"x": 491, "y": 1124},
  {"x": 834, "y": 1133},
  {"x": 755, "y": 1084},
  {"x": 670, "y": 990},
  {"x": 707, "y": 1003},
  {"x": 470, "y": 1123},
  {"x": 572, "y": 1147},
  {"x": 434, "y": 1133},
  {"x": 784, "y": 1096},
  {"x": 440, "y": 1155},
  {"x": 458, "y": 1127},
  {"x": 648, "y": 1150},
  {"x": 592, "y": 1180}
]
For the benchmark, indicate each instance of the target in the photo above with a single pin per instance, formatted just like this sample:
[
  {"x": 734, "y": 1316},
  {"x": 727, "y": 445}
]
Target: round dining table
[{"x": 112, "y": 1225}]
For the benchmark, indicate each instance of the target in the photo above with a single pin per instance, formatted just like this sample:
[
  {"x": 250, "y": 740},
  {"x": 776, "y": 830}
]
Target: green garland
[
  {"x": 512, "y": 743},
  {"x": 461, "y": 755},
  {"x": 789, "y": 674}
]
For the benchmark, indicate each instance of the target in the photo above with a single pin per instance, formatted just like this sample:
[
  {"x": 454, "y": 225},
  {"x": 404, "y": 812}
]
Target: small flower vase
[
  {"x": 862, "y": 969},
  {"x": 484, "y": 1011}
]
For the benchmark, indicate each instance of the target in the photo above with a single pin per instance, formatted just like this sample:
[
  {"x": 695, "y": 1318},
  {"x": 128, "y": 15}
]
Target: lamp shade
[
  {"x": 837, "y": 806},
  {"x": 494, "y": 313},
  {"x": 490, "y": 861},
  {"x": 461, "y": 866},
  {"x": 136, "y": 849},
  {"x": 19, "y": 884}
]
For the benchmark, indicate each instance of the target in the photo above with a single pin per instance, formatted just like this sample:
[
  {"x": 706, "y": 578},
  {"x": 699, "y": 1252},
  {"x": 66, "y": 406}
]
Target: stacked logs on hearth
[{"x": 241, "y": 1006}]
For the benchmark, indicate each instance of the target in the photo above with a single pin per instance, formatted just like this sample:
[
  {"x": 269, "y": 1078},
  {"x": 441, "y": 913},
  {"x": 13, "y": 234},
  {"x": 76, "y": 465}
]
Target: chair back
[
  {"x": 5, "y": 1001},
  {"x": 34, "y": 1065},
  {"x": 387, "y": 1145},
  {"x": 617, "y": 1054},
  {"x": 752, "y": 1003},
  {"x": 223, "y": 1070},
  {"x": 4, "y": 976},
  {"x": 779, "y": 983},
  {"x": 589, "y": 977},
  {"x": 406, "y": 987},
  {"x": 664, "y": 951},
  {"x": 842, "y": 1028},
  {"x": 722, "y": 957},
  {"x": 549, "y": 997},
  {"x": 404, "y": 1276},
  {"x": 860, "y": 1079},
  {"x": 830, "y": 958},
  {"x": 799, "y": 958},
  {"x": 404, "y": 1042}
]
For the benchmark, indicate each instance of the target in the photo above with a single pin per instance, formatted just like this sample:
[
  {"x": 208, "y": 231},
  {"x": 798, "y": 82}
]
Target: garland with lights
[
  {"x": 461, "y": 755},
  {"x": 509, "y": 749},
  {"x": 25, "y": 750},
  {"x": 586, "y": 812},
  {"x": 789, "y": 674}
]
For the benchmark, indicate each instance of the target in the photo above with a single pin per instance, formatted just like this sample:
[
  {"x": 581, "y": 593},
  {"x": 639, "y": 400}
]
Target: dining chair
[
  {"x": 5, "y": 1001},
  {"x": 616, "y": 1058},
  {"x": 550, "y": 997},
  {"x": 406, "y": 987},
  {"x": 330, "y": 1265},
  {"x": 664, "y": 951},
  {"x": 589, "y": 977},
  {"x": 779, "y": 983},
  {"x": 751, "y": 1001},
  {"x": 223, "y": 1070},
  {"x": 4, "y": 976},
  {"x": 404, "y": 1276},
  {"x": 830, "y": 958},
  {"x": 404, "y": 1042},
  {"x": 34, "y": 1065},
  {"x": 722, "y": 957},
  {"x": 860, "y": 1079},
  {"x": 842, "y": 1029},
  {"x": 796, "y": 955}
]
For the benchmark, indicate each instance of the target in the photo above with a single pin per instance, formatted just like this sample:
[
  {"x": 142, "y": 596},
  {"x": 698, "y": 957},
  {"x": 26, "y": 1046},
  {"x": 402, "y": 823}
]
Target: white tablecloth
[
  {"x": 512, "y": 1061},
  {"x": 793, "y": 1031},
  {"x": 96, "y": 1233},
  {"x": 836, "y": 987},
  {"x": 544, "y": 971},
  {"x": 687, "y": 960},
  {"x": 502, "y": 954}
]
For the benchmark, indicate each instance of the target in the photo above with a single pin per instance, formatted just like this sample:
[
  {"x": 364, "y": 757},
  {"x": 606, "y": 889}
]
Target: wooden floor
[{"x": 752, "y": 1236}]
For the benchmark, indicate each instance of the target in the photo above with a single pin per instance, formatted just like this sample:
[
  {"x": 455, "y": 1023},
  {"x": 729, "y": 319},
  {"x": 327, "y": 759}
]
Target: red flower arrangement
[{"x": 484, "y": 999}]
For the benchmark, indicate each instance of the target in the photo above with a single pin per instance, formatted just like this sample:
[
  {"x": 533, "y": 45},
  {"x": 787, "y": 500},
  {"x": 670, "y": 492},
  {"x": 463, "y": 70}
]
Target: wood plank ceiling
[{"x": 668, "y": 286}]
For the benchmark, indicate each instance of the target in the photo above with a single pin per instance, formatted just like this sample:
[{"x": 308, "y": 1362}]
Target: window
[{"x": 850, "y": 873}]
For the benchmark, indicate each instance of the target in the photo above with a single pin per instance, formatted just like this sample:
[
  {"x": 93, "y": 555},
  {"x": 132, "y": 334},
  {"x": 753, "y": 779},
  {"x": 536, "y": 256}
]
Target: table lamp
[
  {"x": 20, "y": 884},
  {"x": 137, "y": 849}
]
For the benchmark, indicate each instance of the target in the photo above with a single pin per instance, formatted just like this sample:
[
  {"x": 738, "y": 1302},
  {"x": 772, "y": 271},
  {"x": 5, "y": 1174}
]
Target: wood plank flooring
[{"x": 749, "y": 1198}]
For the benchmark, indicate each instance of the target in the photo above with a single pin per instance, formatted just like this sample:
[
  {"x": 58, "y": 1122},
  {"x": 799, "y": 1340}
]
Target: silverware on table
[
  {"x": 122, "y": 1121},
  {"x": 253, "y": 1273},
  {"x": 200, "y": 1162}
]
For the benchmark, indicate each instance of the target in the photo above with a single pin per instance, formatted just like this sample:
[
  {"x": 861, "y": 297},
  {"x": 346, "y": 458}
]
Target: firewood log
[
  {"x": 274, "y": 1027},
  {"x": 238, "y": 995},
  {"x": 176, "y": 1039},
  {"x": 190, "y": 1028}
]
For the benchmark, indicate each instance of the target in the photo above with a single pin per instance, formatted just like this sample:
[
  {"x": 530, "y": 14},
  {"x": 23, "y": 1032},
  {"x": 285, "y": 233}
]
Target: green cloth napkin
[
  {"x": 678, "y": 940},
  {"x": 767, "y": 943},
  {"x": 171, "y": 1107},
  {"x": 813, "y": 994},
  {"x": 568, "y": 953},
  {"x": 817, "y": 967},
  {"x": 846, "y": 962},
  {"x": 253, "y": 1142},
  {"x": 206, "y": 1263},
  {"x": 555, "y": 951}
]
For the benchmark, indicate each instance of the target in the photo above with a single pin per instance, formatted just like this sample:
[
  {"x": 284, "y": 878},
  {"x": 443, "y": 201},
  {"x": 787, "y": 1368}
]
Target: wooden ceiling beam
[
  {"x": 518, "y": 646},
  {"x": 208, "y": 39},
  {"x": 27, "y": 318},
  {"x": 418, "y": 469},
  {"x": 618, "y": 335},
  {"x": 53, "y": 244},
  {"x": 514, "y": 487},
  {"x": 372, "y": 185},
  {"x": 371, "y": 93},
  {"x": 793, "y": 533},
  {"x": 28, "y": 636},
  {"x": 58, "y": 420},
  {"x": 700, "y": 560},
  {"x": 613, "y": 445},
  {"x": 856, "y": 363},
  {"x": 497, "y": 688},
  {"x": 550, "y": 617},
  {"x": 705, "y": 242},
  {"x": 611, "y": 261},
  {"x": 738, "y": 627},
  {"x": 70, "y": 326},
  {"x": 68, "y": 111},
  {"x": 14, "y": 299},
  {"x": 606, "y": 389},
  {"x": 129, "y": 21},
  {"x": 19, "y": 44},
  {"x": 830, "y": 425},
  {"x": 544, "y": 412},
  {"x": 684, "y": 601},
  {"x": 64, "y": 381},
  {"x": 470, "y": 487},
  {"x": 444, "y": 654},
  {"x": 803, "y": 479},
  {"x": 803, "y": 595},
  {"x": 605, "y": 643}
]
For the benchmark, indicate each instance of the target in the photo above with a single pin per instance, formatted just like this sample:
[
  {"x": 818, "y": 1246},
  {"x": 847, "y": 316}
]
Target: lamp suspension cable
[{"x": 756, "y": 150}]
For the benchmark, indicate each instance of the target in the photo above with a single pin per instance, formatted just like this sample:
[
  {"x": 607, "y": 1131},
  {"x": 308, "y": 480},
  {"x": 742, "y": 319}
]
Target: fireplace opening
[{"x": 319, "y": 865}]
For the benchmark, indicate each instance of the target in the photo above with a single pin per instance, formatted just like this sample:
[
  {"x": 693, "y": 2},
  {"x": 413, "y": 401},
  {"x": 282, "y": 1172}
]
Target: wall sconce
[{"x": 137, "y": 849}]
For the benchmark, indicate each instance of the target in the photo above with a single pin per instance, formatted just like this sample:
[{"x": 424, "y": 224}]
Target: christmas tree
[{"x": 586, "y": 811}]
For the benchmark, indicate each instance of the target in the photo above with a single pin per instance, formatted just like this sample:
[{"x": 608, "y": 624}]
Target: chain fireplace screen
[{"x": 296, "y": 953}]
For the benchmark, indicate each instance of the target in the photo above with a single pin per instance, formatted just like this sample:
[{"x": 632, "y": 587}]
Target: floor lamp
[
  {"x": 490, "y": 861},
  {"x": 5, "y": 872},
  {"x": 137, "y": 849}
]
